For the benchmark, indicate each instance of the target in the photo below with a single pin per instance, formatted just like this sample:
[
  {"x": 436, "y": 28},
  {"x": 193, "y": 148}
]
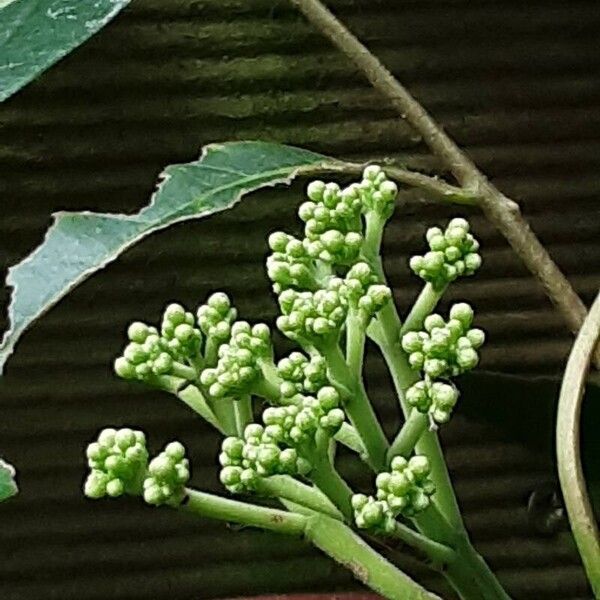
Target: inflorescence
[
  {"x": 322, "y": 281},
  {"x": 286, "y": 441},
  {"x": 118, "y": 462},
  {"x": 452, "y": 253},
  {"x": 404, "y": 491}
]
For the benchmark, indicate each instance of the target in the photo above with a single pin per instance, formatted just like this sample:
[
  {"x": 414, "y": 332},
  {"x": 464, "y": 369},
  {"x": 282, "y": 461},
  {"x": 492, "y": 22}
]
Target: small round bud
[
  {"x": 123, "y": 368},
  {"x": 315, "y": 190},
  {"x": 462, "y": 312},
  {"x": 137, "y": 332}
]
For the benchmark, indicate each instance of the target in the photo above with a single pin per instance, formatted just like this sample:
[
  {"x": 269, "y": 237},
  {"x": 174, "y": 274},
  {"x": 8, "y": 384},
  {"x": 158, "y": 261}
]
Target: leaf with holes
[
  {"x": 37, "y": 33},
  {"x": 80, "y": 243}
]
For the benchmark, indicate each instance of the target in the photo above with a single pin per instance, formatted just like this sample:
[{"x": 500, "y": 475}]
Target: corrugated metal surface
[{"x": 517, "y": 83}]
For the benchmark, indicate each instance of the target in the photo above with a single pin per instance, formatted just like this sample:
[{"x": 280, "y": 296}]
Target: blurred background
[{"x": 516, "y": 83}]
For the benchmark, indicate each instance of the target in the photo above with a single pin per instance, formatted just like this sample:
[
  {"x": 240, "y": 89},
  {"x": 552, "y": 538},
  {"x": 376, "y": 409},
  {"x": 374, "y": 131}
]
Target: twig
[
  {"x": 433, "y": 187},
  {"x": 570, "y": 472},
  {"x": 503, "y": 212}
]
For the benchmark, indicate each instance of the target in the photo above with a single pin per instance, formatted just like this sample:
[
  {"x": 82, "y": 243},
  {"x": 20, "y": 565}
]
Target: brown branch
[
  {"x": 500, "y": 210},
  {"x": 572, "y": 481}
]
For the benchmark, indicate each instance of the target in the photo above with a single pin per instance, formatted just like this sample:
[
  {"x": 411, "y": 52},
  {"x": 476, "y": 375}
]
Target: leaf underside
[
  {"x": 34, "y": 34},
  {"x": 78, "y": 244}
]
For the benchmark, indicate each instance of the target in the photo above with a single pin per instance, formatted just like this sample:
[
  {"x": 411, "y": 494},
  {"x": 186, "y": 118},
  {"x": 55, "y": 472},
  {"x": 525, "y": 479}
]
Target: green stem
[
  {"x": 469, "y": 574},
  {"x": 440, "y": 555},
  {"x": 224, "y": 509},
  {"x": 343, "y": 545},
  {"x": 194, "y": 398},
  {"x": 403, "y": 377},
  {"x": 184, "y": 371},
  {"x": 328, "y": 534},
  {"x": 355, "y": 343},
  {"x": 349, "y": 437},
  {"x": 288, "y": 488},
  {"x": 329, "y": 481},
  {"x": 223, "y": 409},
  {"x": 424, "y": 305},
  {"x": 358, "y": 408},
  {"x": 268, "y": 389},
  {"x": 408, "y": 436},
  {"x": 242, "y": 411}
]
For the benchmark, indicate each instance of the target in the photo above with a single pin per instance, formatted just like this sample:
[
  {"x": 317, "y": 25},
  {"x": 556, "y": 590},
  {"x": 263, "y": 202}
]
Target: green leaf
[
  {"x": 79, "y": 244},
  {"x": 8, "y": 486},
  {"x": 36, "y": 33}
]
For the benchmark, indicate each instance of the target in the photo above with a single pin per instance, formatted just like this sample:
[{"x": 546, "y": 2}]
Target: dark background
[{"x": 515, "y": 83}]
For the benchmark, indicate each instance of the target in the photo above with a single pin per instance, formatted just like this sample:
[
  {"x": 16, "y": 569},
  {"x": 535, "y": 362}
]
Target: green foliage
[
  {"x": 80, "y": 243},
  {"x": 37, "y": 33},
  {"x": 8, "y": 485}
]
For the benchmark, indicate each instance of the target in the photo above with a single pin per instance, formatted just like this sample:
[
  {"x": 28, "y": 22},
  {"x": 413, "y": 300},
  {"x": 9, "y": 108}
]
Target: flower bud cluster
[
  {"x": 302, "y": 375},
  {"x": 313, "y": 317},
  {"x": 216, "y": 317},
  {"x": 377, "y": 192},
  {"x": 290, "y": 264},
  {"x": 150, "y": 353},
  {"x": 452, "y": 253},
  {"x": 332, "y": 232},
  {"x": 364, "y": 292},
  {"x": 436, "y": 398},
  {"x": 406, "y": 490},
  {"x": 445, "y": 349},
  {"x": 332, "y": 223},
  {"x": 239, "y": 364},
  {"x": 258, "y": 454},
  {"x": 168, "y": 473},
  {"x": 151, "y": 356},
  {"x": 118, "y": 462}
]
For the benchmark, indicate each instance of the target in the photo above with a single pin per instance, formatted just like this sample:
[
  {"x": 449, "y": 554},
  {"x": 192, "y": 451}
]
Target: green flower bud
[
  {"x": 118, "y": 462},
  {"x": 168, "y": 473}
]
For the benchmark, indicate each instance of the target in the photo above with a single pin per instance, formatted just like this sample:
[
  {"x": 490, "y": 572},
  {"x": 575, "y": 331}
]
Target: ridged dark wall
[{"x": 516, "y": 83}]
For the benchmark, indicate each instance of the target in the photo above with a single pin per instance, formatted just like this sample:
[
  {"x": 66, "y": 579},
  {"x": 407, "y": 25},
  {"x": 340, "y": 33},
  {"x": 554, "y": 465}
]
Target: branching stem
[
  {"x": 358, "y": 407},
  {"x": 503, "y": 212}
]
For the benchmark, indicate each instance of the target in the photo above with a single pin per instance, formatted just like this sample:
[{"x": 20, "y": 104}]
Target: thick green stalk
[
  {"x": 342, "y": 544},
  {"x": 424, "y": 305},
  {"x": 242, "y": 411},
  {"x": 328, "y": 534},
  {"x": 355, "y": 343},
  {"x": 288, "y": 488},
  {"x": 194, "y": 398},
  {"x": 224, "y": 509},
  {"x": 329, "y": 481},
  {"x": 269, "y": 390},
  {"x": 389, "y": 336},
  {"x": 428, "y": 444},
  {"x": 358, "y": 408},
  {"x": 439, "y": 555},
  {"x": 223, "y": 409},
  {"x": 469, "y": 574},
  {"x": 349, "y": 437},
  {"x": 408, "y": 436}
]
